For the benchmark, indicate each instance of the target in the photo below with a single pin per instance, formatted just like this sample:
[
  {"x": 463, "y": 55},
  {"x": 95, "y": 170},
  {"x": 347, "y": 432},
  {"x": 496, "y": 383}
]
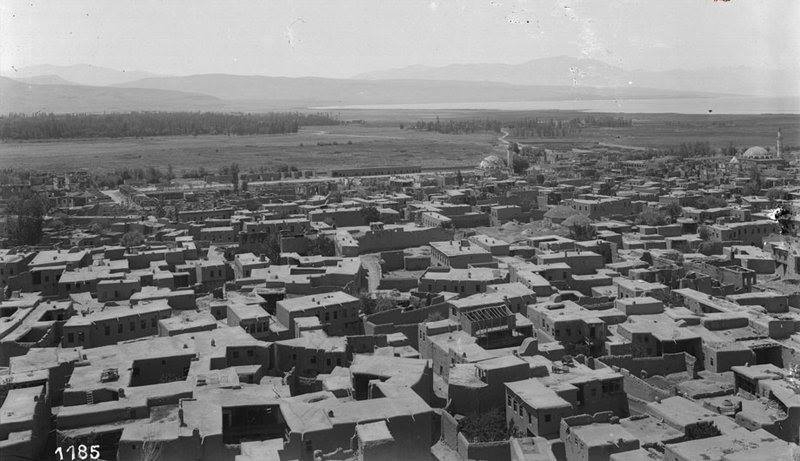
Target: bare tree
[{"x": 151, "y": 448}]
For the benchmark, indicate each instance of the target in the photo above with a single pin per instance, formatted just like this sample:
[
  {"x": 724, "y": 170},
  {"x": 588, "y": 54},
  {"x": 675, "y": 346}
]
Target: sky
[{"x": 343, "y": 38}]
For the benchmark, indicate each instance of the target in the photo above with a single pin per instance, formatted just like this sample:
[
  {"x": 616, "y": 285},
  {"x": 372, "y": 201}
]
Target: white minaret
[{"x": 778, "y": 143}]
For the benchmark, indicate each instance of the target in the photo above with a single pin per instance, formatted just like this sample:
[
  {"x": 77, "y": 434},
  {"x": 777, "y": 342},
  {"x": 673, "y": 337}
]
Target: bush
[
  {"x": 580, "y": 227},
  {"x": 520, "y": 164},
  {"x": 707, "y": 248},
  {"x": 709, "y": 201},
  {"x": 380, "y": 303},
  {"x": 653, "y": 217},
  {"x": 132, "y": 239},
  {"x": 370, "y": 214},
  {"x": 323, "y": 246},
  {"x": 489, "y": 426}
]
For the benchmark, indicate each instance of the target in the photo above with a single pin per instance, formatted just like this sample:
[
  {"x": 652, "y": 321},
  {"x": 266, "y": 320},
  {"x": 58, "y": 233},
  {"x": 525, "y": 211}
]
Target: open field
[
  {"x": 648, "y": 130},
  {"x": 381, "y": 142},
  {"x": 659, "y": 130},
  {"x": 311, "y": 148}
]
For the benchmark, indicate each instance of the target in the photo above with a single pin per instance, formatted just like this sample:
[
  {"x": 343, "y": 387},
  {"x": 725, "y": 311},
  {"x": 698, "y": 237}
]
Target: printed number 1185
[{"x": 78, "y": 452}]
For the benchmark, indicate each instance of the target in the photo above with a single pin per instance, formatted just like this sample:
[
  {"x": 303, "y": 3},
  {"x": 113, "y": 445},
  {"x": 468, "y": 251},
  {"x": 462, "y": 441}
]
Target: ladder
[{"x": 89, "y": 397}]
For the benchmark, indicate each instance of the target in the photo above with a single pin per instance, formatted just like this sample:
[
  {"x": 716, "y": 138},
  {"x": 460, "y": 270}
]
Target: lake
[{"x": 719, "y": 105}]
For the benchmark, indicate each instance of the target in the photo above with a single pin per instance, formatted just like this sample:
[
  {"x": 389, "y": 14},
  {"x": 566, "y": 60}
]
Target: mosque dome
[
  {"x": 756, "y": 153},
  {"x": 491, "y": 164}
]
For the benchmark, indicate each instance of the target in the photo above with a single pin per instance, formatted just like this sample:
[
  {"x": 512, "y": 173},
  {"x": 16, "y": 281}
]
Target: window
[
  {"x": 249, "y": 352},
  {"x": 547, "y": 418},
  {"x": 335, "y": 315},
  {"x": 70, "y": 337},
  {"x": 313, "y": 359},
  {"x": 132, "y": 326},
  {"x": 143, "y": 323},
  {"x": 235, "y": 354},
  {"x": 119, "y": 328},
  {"x": 153, "y": 322},
  {"x": 107, "y": 330},
  {"x": 163, "y": 362}
]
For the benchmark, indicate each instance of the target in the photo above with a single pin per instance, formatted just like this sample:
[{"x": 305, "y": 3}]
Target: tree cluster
[
  {"x": 710, "y": 201},
  {"x": 580, "y": 227},
  {"x": 25, "y": 219},
  {"x": 144, "y": 124},
  {"x": 520, "y": 164},
  {"x": 456, "y": 126},
  {"x": 521, "y": 128},
  {"x": 150, "y": 175},
  {"x": 370, "y": 214},
  {"x": 660, "y": 217},
  {"x": 488, "y": 426},
  {"x": 554, "y": 128},
  {"x": 689, "y": 149}
]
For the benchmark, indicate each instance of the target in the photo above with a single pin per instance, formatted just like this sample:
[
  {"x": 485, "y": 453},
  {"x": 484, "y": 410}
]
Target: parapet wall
[{"x": 666, "y": 364}]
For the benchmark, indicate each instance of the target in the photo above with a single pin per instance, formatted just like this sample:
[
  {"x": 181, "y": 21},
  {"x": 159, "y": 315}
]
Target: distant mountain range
[
  {"x": 568, "y": 71},
  {"x": 21, "y": 97},
  {"x": 81, "y": 74},
  {"x": 85, "y": 88}
]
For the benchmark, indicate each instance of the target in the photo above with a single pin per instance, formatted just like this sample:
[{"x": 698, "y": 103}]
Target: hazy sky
[{"x": 339, "y": 38}]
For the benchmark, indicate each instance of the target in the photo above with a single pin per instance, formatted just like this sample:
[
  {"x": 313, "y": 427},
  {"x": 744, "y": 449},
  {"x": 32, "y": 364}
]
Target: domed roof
[
  {"x": 492, "y": 163},
  {"x": 756, "y": 152}
]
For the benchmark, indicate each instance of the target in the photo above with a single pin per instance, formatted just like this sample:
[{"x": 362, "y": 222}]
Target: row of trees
[
  {"x": 522, "y": 128},
  {"x": 555, "y": 128},
  {"x": 456, "y": 126},
  {"x": 150, "y": 175},
  {"x": 688, "y": 149},
  {"x": 143, "y": 124}
]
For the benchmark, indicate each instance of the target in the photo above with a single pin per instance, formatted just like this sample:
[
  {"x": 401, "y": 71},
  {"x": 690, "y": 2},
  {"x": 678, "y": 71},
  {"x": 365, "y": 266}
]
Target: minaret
[{"x": 778, "y": 143}]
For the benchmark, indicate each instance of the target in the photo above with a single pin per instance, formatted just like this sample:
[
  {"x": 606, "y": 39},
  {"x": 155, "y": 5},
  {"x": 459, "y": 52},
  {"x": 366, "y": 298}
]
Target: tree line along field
[{"x": 381, "y": 141}]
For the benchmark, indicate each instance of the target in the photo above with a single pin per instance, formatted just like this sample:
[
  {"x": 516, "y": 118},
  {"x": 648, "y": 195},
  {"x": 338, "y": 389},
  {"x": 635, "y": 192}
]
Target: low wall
[
  {"x": 641, "y": 389},
  {"x": 678, "y": 362},
  {"x": 449, "y": 430},
  {"x": 494, "y": 451}
]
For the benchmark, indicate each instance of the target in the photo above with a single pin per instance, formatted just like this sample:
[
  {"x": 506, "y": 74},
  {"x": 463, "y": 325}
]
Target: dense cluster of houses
[{"x": 394, "y": 314}]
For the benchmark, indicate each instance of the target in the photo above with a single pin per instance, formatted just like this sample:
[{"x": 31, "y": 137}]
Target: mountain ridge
[
  {"x": 82, "y": 74},
  {"x": 566, "y": 70}
]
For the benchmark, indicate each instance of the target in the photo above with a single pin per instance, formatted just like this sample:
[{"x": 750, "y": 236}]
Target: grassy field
[
  {"x": 380, "y": 142},
  {"x": 311, "y": 148},
  {"x": 648, "y": 130}
]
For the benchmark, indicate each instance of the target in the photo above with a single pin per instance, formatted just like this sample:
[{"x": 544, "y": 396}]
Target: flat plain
[{"x": 381, "y": 141}]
